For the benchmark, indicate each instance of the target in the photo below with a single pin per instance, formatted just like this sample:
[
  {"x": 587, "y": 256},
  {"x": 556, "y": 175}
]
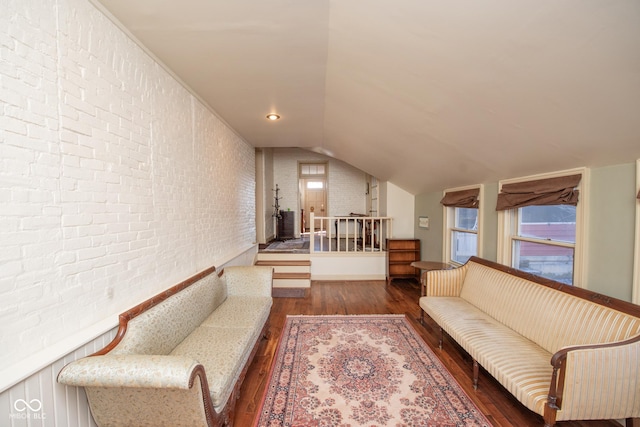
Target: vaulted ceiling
[{"x": 427, "y": 94}]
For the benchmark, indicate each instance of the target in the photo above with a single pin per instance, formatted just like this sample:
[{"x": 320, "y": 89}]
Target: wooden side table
[{"x": 425, "y": 266}]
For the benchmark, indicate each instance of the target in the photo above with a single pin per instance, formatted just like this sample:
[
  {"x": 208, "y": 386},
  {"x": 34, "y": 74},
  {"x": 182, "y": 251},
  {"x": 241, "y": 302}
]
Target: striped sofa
[
  {"x": 563, "y": 352},
  {"x": 179, "y": 358}
]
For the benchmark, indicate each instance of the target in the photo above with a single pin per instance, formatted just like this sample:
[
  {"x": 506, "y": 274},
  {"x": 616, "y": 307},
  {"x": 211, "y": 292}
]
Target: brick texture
[
  {"x": 115, "y": 181},
  {"x": 346, "y": 185}
]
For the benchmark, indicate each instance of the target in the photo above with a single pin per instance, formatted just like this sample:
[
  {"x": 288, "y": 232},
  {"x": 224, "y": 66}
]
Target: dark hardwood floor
[{"x": 400, "y": 297}]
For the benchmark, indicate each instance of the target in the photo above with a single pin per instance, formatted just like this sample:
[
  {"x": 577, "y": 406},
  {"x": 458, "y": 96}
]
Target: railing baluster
[
  {"x": 374, "y": 231},
  {"x": 355, "y": 235}
]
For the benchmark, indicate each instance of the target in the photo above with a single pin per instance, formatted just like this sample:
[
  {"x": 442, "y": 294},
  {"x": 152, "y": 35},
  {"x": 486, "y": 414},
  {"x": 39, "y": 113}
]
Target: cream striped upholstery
[
  {"x": 520, "y": 365},
  {"x": 537, "y": 312},
  {"x": 590, "y": 389},
  {"x": 512, "y": 327},
  {"x": 445, "y": 282}
]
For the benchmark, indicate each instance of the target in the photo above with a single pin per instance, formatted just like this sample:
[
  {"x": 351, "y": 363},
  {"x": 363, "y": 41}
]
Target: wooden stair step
[
  {"x": 284, "y": 263},
  {"x": 291, "y": 275}
]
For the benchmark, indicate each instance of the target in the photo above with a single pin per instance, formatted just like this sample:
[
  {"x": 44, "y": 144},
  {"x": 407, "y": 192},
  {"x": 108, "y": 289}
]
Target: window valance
[
  {"x": 462, "y": 198},
  {"x": 550, "y": 191}
]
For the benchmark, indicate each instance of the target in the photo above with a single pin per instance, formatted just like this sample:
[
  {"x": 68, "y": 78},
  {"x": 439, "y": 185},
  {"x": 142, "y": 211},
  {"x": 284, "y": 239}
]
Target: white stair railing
[{"x": 349, "y": 233}]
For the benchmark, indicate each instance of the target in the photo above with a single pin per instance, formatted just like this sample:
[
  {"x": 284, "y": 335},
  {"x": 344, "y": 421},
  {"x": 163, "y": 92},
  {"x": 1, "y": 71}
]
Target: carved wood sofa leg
[
  {"x": 476, "y": 371},
  {"x": 550, "y": 414},
  {"x": 266, "y": 331},
  {"x": 441, "y": 339}
]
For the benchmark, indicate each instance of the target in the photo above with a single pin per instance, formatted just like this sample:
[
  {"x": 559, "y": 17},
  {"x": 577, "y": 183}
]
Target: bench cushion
[
  {"x": 161, "y": 328},
  {"x": 223, "y": 352},
  {"x": 240, "y": 312}
]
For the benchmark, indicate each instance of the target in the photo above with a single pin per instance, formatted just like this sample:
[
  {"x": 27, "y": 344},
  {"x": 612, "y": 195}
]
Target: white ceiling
[{"x": 427, "y": 94}]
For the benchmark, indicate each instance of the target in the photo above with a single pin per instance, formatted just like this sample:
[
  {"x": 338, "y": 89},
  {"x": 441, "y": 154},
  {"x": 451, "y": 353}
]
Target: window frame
[
  {"x": 635, "y": 292},
  {"x": 316, "y": 175},
  {"x": 508, "y": 224},
  {"x": 449, "y": 215}
]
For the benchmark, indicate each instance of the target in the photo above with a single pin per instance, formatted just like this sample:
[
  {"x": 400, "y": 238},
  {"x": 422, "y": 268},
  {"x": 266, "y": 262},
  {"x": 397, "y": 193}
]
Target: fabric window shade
[
  {"x": 550, "y": 191},
  {"x": 461, "y": 199}
]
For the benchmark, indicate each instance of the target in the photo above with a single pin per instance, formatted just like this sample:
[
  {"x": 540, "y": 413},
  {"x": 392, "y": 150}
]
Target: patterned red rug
[{"x": 371, "y": 370}]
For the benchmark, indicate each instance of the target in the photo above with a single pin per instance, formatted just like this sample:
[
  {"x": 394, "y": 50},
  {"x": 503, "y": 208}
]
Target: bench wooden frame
[{"x": 214, "y": 419}]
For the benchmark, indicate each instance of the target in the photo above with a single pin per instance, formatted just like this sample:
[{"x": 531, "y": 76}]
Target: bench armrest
[
  {"x": 134, "y": 390},
  {"x": 131, "y": 370},
  {"x": 249, "y": 280},
  {"x": 599, "y": 381},
  {"x": 444, "y": 283}
]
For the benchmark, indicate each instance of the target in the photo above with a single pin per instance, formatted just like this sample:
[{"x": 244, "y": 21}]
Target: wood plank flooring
[{"x": 400, "y": 297}]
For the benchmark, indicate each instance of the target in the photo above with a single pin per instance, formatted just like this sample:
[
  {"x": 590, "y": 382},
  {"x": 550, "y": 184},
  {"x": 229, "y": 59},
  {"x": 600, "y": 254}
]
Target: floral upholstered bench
[
  {"x": 564, "y": 352},
  {"x": 179, "y": 358}
]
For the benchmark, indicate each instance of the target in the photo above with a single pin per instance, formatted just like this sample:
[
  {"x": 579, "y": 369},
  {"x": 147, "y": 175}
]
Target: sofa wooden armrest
[{"x": 579, "y": 380}]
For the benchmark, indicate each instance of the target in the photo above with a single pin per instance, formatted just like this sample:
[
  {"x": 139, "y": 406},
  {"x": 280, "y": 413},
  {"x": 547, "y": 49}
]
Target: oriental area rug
[{"x": 365, "y": 370}]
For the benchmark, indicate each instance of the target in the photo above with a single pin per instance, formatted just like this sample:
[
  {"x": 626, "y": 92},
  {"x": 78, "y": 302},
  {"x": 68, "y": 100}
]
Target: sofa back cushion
[
  {"x": 162, "y": 327},
  {"x": 553, "y": 319}
]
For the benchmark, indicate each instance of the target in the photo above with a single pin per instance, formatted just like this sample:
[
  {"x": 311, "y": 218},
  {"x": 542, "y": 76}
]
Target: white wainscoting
[
  {"x": 36, "y": 399},
  {"x": 39, "y": 401},
  {"x": 348, "y": 266}
]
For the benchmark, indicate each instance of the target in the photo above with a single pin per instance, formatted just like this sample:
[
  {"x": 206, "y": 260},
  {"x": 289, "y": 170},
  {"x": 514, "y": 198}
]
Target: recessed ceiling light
[{"x": 273, "y": 117}]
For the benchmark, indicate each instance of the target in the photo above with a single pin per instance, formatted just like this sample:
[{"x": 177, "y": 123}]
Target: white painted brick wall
[
  {"x": 112, "y": 176},
  {"x": 347, "y": 189},
  {"x": 30, "y": 214},
  {"x": 269, "y": 185},
  {"x": 346, "y": 185}
]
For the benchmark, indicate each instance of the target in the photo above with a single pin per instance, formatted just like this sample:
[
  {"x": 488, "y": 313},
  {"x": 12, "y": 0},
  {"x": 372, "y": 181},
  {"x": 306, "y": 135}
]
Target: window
[
  {"x": 635, "y": 294},
  {"x": 312, "y": 169},
  {"x": 464, "y": 235},
  {"x": 540, "y": 232},
  {"x": 462, "y": 219},
  {"x": 315, "y": 185},
  {"x": 544, "y": 241}
]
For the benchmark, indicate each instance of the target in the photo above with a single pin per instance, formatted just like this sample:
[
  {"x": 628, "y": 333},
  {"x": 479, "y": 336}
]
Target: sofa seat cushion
[
  {"x": 240, "y": 312},
  {"x": 520, "y": 365},
  {"x": 223, "y": 352}
]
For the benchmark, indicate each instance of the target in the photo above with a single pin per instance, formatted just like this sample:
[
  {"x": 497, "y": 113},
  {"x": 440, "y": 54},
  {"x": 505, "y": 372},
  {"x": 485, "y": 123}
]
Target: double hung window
[
  {"x": 544, "y": 241},
  {"x": 462, "y": 220},
  {"x": 541, "y": 225}
]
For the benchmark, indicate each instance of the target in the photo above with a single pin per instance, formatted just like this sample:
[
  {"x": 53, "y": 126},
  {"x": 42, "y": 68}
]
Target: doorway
[
  {"x": 313, "y": 193},
  {"x": 315, "y": 200}
]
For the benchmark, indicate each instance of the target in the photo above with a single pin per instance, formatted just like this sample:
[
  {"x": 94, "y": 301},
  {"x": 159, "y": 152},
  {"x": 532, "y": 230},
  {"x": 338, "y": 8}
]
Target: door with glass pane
[
  {"x": 314, "y": 201},
  {"x": 313, "y": 186}
]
